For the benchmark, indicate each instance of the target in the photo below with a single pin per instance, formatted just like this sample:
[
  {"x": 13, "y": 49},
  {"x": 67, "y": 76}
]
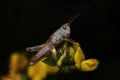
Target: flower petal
[
  {"x": 59, "y": 63},
  {"x": 89, "y": 64},
  {"x": 79, "y": 56},
  {"x": 71, "y": 53},
  {"x": 75, "y": 45}
]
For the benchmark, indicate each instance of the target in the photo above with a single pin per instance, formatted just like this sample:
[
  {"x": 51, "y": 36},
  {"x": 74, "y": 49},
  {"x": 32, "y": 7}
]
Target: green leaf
[{"x": 50, "y": 61}]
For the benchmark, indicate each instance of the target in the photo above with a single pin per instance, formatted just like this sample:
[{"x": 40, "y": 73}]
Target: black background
[{"x": 26, "y": 23}]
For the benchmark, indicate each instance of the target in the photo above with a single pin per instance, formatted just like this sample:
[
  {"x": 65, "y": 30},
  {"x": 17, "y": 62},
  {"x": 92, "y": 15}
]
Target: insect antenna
[{"x": 72, "y": 19}]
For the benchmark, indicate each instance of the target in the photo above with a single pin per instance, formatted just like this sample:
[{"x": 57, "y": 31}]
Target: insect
[{"x": 60, "y": 35}]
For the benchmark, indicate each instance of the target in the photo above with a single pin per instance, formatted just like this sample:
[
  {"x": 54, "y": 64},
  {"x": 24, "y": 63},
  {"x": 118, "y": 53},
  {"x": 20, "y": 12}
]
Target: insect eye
[{"x": 64, "y": 27}]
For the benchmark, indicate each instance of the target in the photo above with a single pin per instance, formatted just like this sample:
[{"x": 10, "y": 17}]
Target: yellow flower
[
  {"x": 72, "y": 53},
  {"x": 81, "y": 63},
  {"x": 89, "y": 64},
  {"x": 78, "y": 57},
  {"x": 63, "y": 54},
  {"x": 17, "y": 63},
  {"x": 40, "y": 70},
  {"x": 59, "y": 62}
]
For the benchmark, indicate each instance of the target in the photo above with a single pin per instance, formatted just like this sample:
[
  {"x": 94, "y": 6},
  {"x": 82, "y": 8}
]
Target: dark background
[{"x": 26, "y": 23}]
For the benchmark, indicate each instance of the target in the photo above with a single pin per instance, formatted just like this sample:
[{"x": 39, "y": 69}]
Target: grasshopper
[{"x": 60, "y": 35}]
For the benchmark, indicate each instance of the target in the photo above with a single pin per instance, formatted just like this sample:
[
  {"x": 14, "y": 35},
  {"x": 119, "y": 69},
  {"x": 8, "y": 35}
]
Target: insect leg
[
  {"x": 35, "y": 48},
  {"x": 40, "y": 55},
  {"x": 68, "y": 39}
]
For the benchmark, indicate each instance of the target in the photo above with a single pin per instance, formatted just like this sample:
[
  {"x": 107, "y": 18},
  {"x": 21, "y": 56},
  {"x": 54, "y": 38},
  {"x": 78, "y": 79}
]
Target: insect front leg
[
  {"x": 67, "y": 39},
  {"x": 35, "y": 48}
]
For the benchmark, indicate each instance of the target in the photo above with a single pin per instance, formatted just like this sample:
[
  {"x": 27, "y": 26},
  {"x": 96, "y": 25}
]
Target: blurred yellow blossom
[
  {"x": 40, "y": 70},
  {"x": 17, "y": 63}
]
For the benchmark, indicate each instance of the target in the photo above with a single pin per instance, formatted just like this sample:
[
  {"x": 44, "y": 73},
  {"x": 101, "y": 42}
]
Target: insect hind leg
[{"x": 35, "y": 48}]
